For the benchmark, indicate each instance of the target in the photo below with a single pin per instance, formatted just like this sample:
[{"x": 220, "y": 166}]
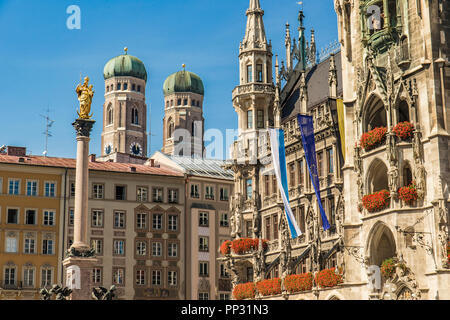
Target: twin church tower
[{"x": 124, "y": 135}]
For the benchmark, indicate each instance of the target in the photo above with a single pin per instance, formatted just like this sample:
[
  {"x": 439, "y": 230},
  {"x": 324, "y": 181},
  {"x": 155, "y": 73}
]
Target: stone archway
[
  {"x": 381, "y": 244},
  {"x": 375, "y": 115},
  {"x": 377, "y": 177}
]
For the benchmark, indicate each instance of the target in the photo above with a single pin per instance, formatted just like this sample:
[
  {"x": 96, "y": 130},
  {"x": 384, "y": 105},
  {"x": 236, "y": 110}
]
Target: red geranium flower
[
  {"x": 373, "y": 138},
  {"x": 269, "y": 287},
  {"x": 403, "y": 130},
  {"x": 328, "y": 278},
  {"x": 376, "y": 201},
  {"x": 299, "y": 282},
  {"x": 244, "y": 291},
  {"x": 408, "y": 193}
]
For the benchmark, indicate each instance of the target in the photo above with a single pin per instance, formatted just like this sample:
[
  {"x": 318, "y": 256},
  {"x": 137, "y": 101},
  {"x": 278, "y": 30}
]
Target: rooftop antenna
[{"x": 48, "y": 124}]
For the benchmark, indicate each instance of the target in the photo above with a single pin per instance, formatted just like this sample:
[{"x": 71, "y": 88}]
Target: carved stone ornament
[
  {"x": 83, "y": 127},
  {"x": 72, "y": 252},
  {"x": 402, "y": 285},
  {"x": 61, "y": 293},
  {"x": 101, "y": 293}
]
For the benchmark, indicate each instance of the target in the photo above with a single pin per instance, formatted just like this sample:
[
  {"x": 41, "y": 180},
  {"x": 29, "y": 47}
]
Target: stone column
[{"x": 79, "y": 263}]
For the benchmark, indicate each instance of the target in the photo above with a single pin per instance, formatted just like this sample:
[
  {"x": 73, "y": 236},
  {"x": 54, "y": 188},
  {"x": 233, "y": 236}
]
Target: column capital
[{"x": 83, "y": 127}]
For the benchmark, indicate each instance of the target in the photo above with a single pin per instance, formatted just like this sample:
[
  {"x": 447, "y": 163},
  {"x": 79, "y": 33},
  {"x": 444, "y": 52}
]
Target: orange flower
[
  {"x": 328, "y": 278},
  {"x": 373, "y": 138}
]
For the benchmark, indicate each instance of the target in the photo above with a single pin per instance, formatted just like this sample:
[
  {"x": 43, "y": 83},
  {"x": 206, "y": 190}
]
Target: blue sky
[{"x": 41, "y": 59}]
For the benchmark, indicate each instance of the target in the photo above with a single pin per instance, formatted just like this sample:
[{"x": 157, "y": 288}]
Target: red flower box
[
  {"x": 244, "y": 291},
  {"x": 328, "y": 278},
  {"x": 408, "y": 193},
  {"x": 376, "y": 201},
  {"x": 299, "y": 282},
  {"x": 373, "y": 138},
  {"x": 404, "y": 130},
  {"x": 225, "y": 248},
  {"x": 269, "y": 287},
  {"x": 245, "y": 245},
  {"x": 388, "y": 268}
]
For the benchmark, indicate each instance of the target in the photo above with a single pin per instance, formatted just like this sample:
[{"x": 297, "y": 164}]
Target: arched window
[
  {"x": 167, "y": 103},
  {"x": 198, "y": 103},
  {"x": 134, "y": 116},
  {"x": 403, "y": 111},
  {"x": 125, "y": 86},
  {"x": 110, "y": 115},
  {"x": 118, "y": 86},
  {"x": 375, "y": 115},
  {"x": 139, "y": 89},
  {"x": 133, "y": 87},
  {"x": 193, "y": 103},
  {"x": 249, "y": 73},
  {"x": 179, "y": 102},
  {"x": 377, "y": 177},
  {"x": 259, "y": 72},
  {"x": 185, "y": 102},
  {"x": 171, "y": 128},
  {"x": 382, "y": 244}
]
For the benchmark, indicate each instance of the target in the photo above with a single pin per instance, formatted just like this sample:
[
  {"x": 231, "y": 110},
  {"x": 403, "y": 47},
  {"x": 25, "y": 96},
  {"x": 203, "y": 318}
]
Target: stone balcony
[{"x": 253, "y": 88}]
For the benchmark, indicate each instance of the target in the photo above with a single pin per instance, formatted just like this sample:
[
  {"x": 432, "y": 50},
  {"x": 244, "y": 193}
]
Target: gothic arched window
[
  {"x": 171, "y": 129},
  {"x": 407, "y": 175},
  {"x": 134, "y": 116},
  {"x": 403, "y": 111},
  {"x": 110, "y": 115},
  {"x": 375, "y": 115},
  {"x": 249, "y": 73}
]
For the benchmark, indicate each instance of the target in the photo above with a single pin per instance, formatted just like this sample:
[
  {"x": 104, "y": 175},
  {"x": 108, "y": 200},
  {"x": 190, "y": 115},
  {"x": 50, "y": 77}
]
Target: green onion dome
[
  {"x": 125, "y": 66},
  {"x": 183, "y": 81}
]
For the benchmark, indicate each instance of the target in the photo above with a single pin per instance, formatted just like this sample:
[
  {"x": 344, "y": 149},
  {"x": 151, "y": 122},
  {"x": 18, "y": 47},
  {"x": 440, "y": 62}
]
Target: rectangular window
[
  {"x": 249, "y": 119},
  {"x": 97, "y": 191},
  {"x": 203, "y": 244},
  {"x": 30, "y": 217},
  {"x": 203, "y": 219},
  {"x": 47, "y": 246},
  {"x": 301, "y": 176},
  {"x": 47, "y": 278},
  {"x": 274, "y": 184},
  {"x": 266, "y": 185},
  {"x": 119, "y": 247},
  {"x": 157, "y": 249},
  {"x": 141, "y": 220},
  {"x": 301, "y": 219},
  {"x": 97, "y": 218},
  {"x": 249, "y": 188},
  {"x": 173, "y": 223},
  {"x": 224, "y": 194},
  {"x": 224, "y": 219},
  {"x": 32, "y": 188},
  {"x": 125, "y": 86},
  {"x": 97, "y": 275},
  {"x": 268, "y": 228},
  {"x": 194, "y": 191},
  {"x": 224, "y": 296},
  {"x": 292, "y": 174},
  {"x": 209, "y": 195},
  {"x": 275, "y": 227},
  {"x": 71, "y": 217},
  {"x": 14, "y": 186},
  {"x": 28, "y": 277},
  {"x": 249, "y": 73},
  {"x": 319, "y": 163},
  {"x": 259, "y": 73},
  {"x": 330, "y": 160},
  {"x": 157, "y": 221},
  {"x": 157, "y": 195},
  {"x": 173, "y": 196},
  {"x": 29, "y": 246},
  {"x": 49, "y": 218},
  {"x": 332, "y": 211},
  {"x": 49, "y": 189},
  {"x": 141, "y": 248},
  {"x": 119, "y": 220},
  {"x": 156, "y": 277},
  {"x": 249, "y": 228},
  {"x": 13, "y": 216},
  {"x": 223, "y": 271},
  {"x": 119, "y": 276},
  {"x": 203, "y": 296},
  {"x": 120, "y": 193},
  {"x": 10, "y": 276},
  {"x": 72, "y": 189},
  {"x": 97, "y": 245},
  {"x": 250, "y": 274},
  {"x": 140, "y": 277},
  {"x": 172, "y": 278},
  {"x": 11, "y": 244},
  {"x": 260, "y": 119},
  {"x": 172, "y": 250},
  {"x": 142, "y": 194},
  {"x": 203, "y": 268}
]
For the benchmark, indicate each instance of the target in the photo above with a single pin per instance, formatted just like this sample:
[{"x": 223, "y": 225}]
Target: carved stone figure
[
  {"x": 231, "y": 268},
  {"x": 393, "y": 179},
  {"x": 85, "y": 94},
  {"x": 420, "y": 180},
  {"x": 101, "y": 293}
]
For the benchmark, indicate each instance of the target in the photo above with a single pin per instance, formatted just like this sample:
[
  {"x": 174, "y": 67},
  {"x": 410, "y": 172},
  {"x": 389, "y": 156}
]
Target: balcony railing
[
  {"x": 11, "y": 285},
  {"x": 253, "y": 88}
]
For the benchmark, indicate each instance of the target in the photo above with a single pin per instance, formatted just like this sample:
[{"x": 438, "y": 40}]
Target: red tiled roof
[{"x": 99, "y": 166}]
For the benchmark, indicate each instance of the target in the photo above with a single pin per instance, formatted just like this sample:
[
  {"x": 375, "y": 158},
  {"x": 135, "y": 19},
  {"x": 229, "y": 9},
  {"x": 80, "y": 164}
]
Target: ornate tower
[
  {"x": 124, "y": 110},
  {"x": 183, "y": 114}
]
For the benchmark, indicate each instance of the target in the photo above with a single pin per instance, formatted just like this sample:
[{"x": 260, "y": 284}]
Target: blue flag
[
  {"x": 279, "y": 166},
  {"x": 309, "y": 146}
]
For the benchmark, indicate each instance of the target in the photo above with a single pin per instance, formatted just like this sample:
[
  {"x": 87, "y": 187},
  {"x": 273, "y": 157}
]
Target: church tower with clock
[{"x": 124, "y": 136}]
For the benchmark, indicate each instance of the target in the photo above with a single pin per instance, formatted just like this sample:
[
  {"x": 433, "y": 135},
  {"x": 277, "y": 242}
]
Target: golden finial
[
  {"x": 126, "y": 50},
  {"x": 184, "y": 66}
]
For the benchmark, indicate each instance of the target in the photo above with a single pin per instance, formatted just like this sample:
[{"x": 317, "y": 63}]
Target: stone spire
[
  {"x": 301, "y": 41},
  {"x": 288, "y": 45},
  {"x": 312, "y": 49},
  {"x": 255, "y": 35}
]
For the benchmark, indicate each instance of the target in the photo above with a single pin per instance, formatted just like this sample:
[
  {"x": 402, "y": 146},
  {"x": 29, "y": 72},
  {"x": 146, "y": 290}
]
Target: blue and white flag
[
  {"x": 279, "y": 166},
  {"x": 309, "y": 146}
]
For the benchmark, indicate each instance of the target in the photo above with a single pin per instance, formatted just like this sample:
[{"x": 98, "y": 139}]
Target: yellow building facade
[{"x": 30, "y": 213}]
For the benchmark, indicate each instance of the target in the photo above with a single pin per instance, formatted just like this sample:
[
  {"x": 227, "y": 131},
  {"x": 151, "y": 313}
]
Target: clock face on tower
[
  {"x": 136, "y": 149},
  {"x": 108, "y": 149}
]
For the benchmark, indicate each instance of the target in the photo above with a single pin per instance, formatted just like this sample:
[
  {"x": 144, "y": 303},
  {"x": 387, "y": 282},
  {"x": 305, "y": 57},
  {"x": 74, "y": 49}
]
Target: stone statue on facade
[
  {"x": 231, "y": 268},
  {"x": 393, "y": 179},
  {"x": 285, "y": 254},
  {"x": 85, "y": 94}
]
